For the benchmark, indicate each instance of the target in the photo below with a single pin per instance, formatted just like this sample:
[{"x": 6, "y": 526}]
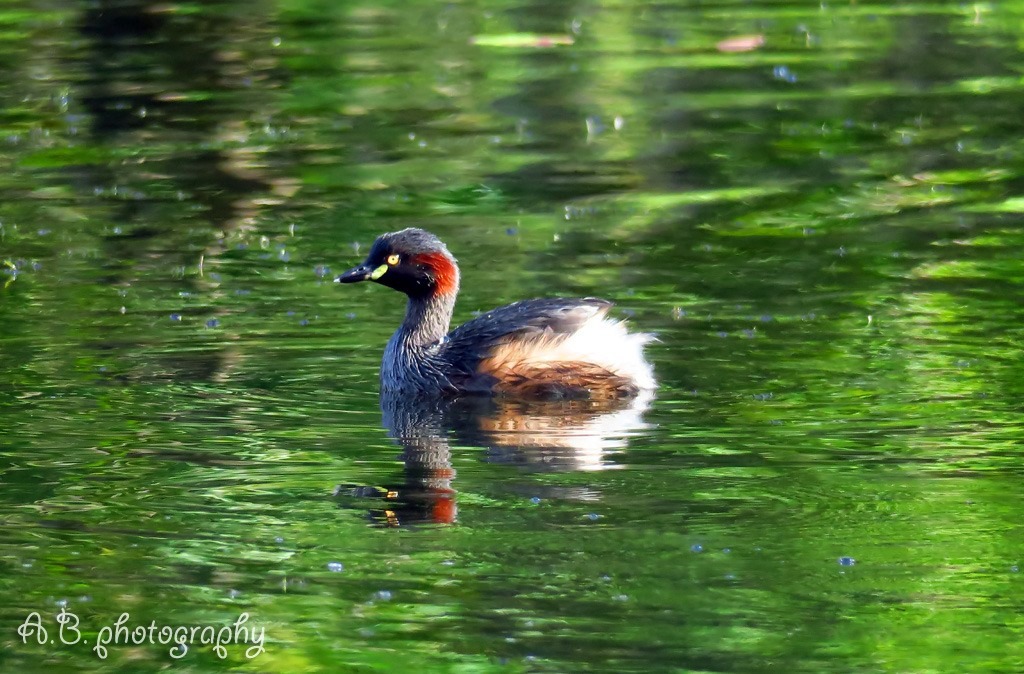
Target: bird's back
[{"x": 549, "y": 348}]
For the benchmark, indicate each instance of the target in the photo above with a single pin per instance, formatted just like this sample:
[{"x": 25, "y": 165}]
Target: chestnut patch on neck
[{"x": 446, "y": 276}]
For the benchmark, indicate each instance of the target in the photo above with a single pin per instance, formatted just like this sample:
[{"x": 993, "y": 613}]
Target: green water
[{"x": 821, "y": 222}]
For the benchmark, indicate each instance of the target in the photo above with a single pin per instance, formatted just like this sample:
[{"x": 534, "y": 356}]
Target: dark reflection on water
[{"x": 532, "y": 435}]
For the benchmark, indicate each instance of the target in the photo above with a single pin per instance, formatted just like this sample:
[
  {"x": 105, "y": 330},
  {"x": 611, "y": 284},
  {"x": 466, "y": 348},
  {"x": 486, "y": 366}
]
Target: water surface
[{"x": 816, "y": 208}]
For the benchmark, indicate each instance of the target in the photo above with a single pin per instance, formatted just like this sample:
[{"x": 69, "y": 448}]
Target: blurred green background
[{"x": 816, "y": 207}]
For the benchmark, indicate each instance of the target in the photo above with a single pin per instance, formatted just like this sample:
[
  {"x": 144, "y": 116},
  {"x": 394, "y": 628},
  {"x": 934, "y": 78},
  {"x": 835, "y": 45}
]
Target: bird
[{"x": 547, "y": 349}]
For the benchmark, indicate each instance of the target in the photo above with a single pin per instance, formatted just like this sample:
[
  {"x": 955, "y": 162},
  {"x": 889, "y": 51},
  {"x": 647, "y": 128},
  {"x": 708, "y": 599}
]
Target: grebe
[{"x": 545, "y": 348}]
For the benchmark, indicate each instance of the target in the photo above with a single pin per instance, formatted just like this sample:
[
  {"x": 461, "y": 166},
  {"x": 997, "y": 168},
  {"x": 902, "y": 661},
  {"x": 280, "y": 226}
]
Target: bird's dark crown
[{"x": 411, "y": 241}]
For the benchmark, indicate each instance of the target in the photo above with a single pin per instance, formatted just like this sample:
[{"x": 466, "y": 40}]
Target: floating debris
[
  {"x": 519, "y": 40},
  {"x": 740, "y": 43}
]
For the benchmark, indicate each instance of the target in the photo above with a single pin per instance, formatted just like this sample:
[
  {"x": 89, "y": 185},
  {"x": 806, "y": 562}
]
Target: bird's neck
[{"x": 426, "y": 320}]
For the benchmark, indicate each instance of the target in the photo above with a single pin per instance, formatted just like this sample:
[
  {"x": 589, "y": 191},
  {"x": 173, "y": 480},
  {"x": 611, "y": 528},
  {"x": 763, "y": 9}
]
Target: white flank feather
[{"x": 600, "y": 340}]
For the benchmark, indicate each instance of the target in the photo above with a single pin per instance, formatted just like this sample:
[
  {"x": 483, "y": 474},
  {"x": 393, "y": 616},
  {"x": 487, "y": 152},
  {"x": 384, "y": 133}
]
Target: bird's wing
[{"x": 552, "y": 319}]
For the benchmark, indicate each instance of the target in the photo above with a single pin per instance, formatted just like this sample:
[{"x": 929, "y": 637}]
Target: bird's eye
[{"x": 393, "y": 259}]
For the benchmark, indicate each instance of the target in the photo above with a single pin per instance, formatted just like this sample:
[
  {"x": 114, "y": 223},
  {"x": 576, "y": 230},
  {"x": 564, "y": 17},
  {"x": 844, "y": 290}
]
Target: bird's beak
[
  {"x": 355, "y": 275},
  {"x": 363, "y": 272}
]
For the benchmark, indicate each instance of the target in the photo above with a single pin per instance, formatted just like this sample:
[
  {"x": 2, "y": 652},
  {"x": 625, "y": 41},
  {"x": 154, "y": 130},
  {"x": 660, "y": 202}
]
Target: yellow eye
[{"x": 393, "y": 259}]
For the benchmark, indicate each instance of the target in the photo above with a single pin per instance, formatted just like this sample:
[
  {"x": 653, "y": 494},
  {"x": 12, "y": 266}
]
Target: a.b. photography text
[{"x": 66, "y": 630}]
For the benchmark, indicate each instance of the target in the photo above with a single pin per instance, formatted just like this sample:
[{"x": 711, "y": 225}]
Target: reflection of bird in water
[
  {"x": 560, "y": 435},
  {"x": 554, "y": 348},
  {"x": 544, "y": 436}
]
